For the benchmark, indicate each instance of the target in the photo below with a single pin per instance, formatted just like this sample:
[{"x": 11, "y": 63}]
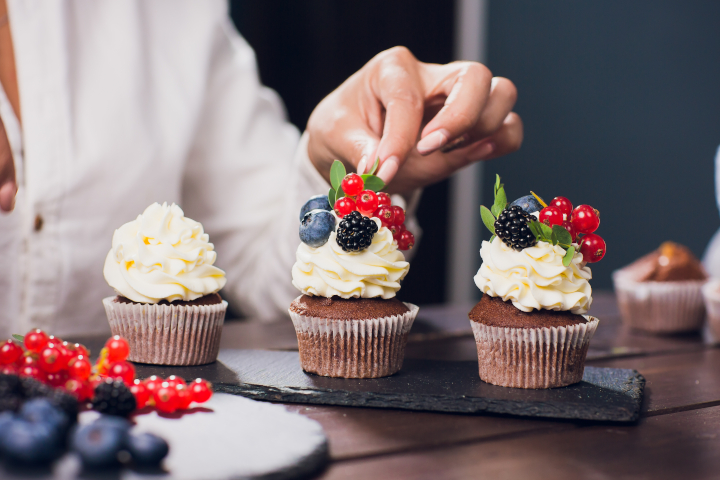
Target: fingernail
[
  {"x": 432, "y": 142},
  {"x": 7, "y": 196},
  {"x": 361, "y": 166},
  {"x": 485, "y": 150},
  {"x": 455, "y": 144},
  {"x": 388, "y": 169}
]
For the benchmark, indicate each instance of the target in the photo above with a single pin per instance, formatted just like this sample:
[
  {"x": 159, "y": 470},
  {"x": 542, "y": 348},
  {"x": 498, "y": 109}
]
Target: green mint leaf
[
  {"x": 562, "y": 235},
  {"x": 546, "y": 231},
  {"x": 331, "y": 197},
  {"x": 337, "y": 173},
  {"x": 535, "y": 229},
  {"x": 492, "y": 238},
  {"x": 488, "y": 218},
  {"x": 19, "y": 338},
  {"x": 497, "y": 184},
  {"x": 372, "y": 182},
  {"x": 500, "y": 202},
  {"x": 569, "y": 254},
  {"x": 374, "y": 167},
  {"x": 339, "y": 194},
  {"x": 553, "y": 238}
]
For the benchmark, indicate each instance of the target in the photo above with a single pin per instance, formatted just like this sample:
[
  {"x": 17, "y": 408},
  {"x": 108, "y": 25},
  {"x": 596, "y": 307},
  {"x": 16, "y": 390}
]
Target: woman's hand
[
  {"x": 8, "y": 184},
  {"x": 424, "y": 121}
]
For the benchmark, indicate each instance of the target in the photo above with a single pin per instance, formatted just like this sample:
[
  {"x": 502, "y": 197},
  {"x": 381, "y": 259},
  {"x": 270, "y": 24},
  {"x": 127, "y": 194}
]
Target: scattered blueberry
[
  {"x": 318, "y": 202},
  {"x": 316, "y": 227},
  {"x": 147, "y": 449},
  {"x": 41, "y": 410},
  {"x": 5, "y": 419},
  {"x": 113, "y": 421},
  {"x": 98, "y": 444},
  {"x": 528, "y": 203},
  {"x": 28, "y": 442}
]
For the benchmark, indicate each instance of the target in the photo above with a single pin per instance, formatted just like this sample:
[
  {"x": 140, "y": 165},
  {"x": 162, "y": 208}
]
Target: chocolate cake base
[
  {"x": 540, "y": 349},
  {"x": 334, "y": 342},
  {"x": 211, "y": 299}
]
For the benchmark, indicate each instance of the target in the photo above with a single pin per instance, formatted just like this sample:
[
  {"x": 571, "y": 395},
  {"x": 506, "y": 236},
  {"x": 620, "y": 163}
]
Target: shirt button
[{"x": 38, "y": 222}]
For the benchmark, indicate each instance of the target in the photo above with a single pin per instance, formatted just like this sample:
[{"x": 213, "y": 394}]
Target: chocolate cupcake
[
  {"x": 662, "y": 291},
  {"x": 167, "y": 307}
]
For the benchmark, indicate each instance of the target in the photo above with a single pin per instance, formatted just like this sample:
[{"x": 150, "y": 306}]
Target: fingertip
[
  {"x": 388, "y": 169},
  {"x": 362, "y": 165},
  {"x": 7, "y": 196}
]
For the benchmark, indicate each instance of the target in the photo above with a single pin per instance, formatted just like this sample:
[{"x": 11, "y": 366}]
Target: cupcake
[
  {"x": 348, "y": 268},
  {"x": 662, "y": 291},
  {"x": 167, "y": 305},
  {"x": 531, "y": 327}
]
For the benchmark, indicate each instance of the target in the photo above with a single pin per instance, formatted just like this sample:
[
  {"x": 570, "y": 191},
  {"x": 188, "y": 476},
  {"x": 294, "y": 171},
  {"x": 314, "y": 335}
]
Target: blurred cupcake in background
[{"x": 662, "y": 291}]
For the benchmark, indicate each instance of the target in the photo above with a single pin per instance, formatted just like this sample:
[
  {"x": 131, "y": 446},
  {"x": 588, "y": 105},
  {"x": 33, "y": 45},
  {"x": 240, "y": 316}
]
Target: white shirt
[{"x": 134, "y": 102}]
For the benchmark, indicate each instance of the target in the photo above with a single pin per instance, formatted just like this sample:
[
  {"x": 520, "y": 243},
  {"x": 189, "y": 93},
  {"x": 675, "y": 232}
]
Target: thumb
[{"x": 8, "y": 184}]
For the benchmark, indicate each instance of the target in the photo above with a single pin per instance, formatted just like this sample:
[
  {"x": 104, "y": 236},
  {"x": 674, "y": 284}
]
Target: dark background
[{"x": 620, "y": 100}]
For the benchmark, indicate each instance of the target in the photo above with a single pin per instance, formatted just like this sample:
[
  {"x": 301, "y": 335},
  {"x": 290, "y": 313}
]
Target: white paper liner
[
  {"x": 368, "y": 348},
  {"x": 711, "y": 297},
  {"x": 543, "y": 357},
  {"x": 660, "y": 307},
  {"x": 168, "y": 334}
]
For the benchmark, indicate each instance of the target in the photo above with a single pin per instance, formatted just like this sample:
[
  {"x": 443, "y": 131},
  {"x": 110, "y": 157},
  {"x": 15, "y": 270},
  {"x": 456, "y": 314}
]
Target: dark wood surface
[{"x": 678, "y": 435}]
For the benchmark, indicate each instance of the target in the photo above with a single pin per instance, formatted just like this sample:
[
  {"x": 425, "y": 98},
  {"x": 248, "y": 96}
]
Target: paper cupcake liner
[
  {"x": 168, "y": 334},
  {"x": 711, "y": 298},
  {"x": 368, "y": 348},
  {"x": 660, "y": 307},
  {"x": 543, "y": 357}
]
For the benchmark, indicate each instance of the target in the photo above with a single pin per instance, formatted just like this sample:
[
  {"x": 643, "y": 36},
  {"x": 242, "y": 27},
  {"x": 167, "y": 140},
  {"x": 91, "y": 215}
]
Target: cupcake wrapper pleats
[
  {"x": 168, "y": 334},
  {"x": 369, "y": 348},
  {"x": 546, "y": 357}
]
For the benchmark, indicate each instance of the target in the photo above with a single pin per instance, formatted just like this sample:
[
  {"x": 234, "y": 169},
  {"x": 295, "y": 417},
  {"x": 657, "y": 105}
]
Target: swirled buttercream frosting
[
  {"x": 534, "y": 278},
  {"x": 328, "y": 271},
  {"x": 162, "y": 255}
]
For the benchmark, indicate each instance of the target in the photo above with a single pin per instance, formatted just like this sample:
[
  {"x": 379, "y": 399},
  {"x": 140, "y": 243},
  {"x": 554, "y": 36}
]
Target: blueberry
[
  {"x": 114, "y": 421},
  {"x": 30, "y": 442},
  {"x": 528, "y": 203},
  {"x": 316, "y": 227},
  {"x": 318, "y": 202},
  {"x": 41, "y": 410},
  {"x": 147, "y": 449},
  {"x": 98, "y": 444},
  {"x": 5, "y": 419}
]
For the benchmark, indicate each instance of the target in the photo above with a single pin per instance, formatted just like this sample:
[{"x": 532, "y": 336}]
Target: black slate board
[{"x": 605, "y": 394}]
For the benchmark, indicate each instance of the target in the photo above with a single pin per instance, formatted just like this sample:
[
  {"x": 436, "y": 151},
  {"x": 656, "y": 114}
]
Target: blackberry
[
  {"x": 10, "y": 403},
  {"x": 355, "y": 232},
  {"x": 113, "y": 397},
  {"x": 65, "y": 402},
  {"x": 9, "y": 385},
  {"x": 32, "y": 388},
  {"x": 512, "y": 228}
]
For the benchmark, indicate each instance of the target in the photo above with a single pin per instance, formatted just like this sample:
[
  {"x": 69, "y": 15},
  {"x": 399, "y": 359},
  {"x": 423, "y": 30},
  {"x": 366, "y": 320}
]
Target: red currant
[
  {"x": 174, "y": 380},
  {"x": 384, "y": 199},
  {"x": 166, "y": 398},
  {"x": 386, "y": 215},
  {"x": 153, "y": 383},
  {"x": 185, "y": 398},
  {"x": 28, "y": 360},
  {"x": 397, "y": 230},
  {"x": 367, "y": 202},
  {"x": 80, "y": 368},
  {"x": 117, "y": 349},
  {"x": 571, "y": 230},
  {"x": 141, "y": 392},
  {"x": 563, "y": 204},
  {"x": 201, "y": 390},
  {"x": 50, "y": 359},
  {"x": 35, "y": 340},
  {"x": 76, "y": 349},
  {"x": 585, "y": 219},
  {"x": 33, "y": 371},
  {"x": 123, "y": 370},
  {"x": 57, "y": 379},
  {"x": 10, "y": 352},
  {"x": 593, "y": 248},
  {"x": 81, "y": 390},
  {"x": 352, "y": 184},
  {"x": 399, "y": 215},
  {"x": 406, "y": 240},
  {"x": 551, "y": 216},
  {"x": 8, "y": 370},
  {"x": 344, "y": 206}
]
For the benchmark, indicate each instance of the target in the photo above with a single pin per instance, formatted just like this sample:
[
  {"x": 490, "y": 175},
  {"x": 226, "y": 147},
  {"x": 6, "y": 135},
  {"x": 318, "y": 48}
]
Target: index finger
[{"x": 8, "y": 185}]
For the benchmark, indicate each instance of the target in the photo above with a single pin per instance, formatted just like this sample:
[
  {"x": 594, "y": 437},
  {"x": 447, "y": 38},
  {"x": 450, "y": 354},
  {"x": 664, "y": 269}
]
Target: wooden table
[{"x": 677, "y": 437}]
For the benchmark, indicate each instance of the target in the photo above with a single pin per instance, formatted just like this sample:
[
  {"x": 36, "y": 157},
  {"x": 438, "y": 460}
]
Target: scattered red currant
[
  {"x": 10, "y": 352},
  {"x": 81, "y": 390},
  {"x": 399, "y": 215},
  {"x": 201, "y": 390},
  {"x": 352, "y": 184},
  {"x": 344, "y": 206},
  {"x": 33, "y": 371},
  {"x": 166, "y": 398},
  {"x": 80, "y": 368},
  {"x": 406, "y": 240},
  {"x": 571, "y": 230},
  {"x": 593, "y": 248},
  {"x": 153, "y": 383},
  {"x": 35, "y": 340},
  {"x": 50, "y": 359},
  {"x": 551, "y": 216},
  {"x": 141, "y": 392},
  {"x": 57, "y": 379},
  {"x": 397, "y": 230},
  {"x": 9, "y": 370},
  {"x": 384, "y": 199},
  {"x": 123, "y": 370},
  {"x": 386, "y": 215},
  {"x": 185, "y": 398},
  {"x": 174, "y": 380},
  {"x": 367, "y": 202},
  {"x": 562, "y": 204},
  {"x": 117, "y": 349},
  {"x": 585, "y": 219}
]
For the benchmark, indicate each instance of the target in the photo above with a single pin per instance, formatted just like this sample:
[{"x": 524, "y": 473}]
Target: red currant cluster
[
  {"x": 580, "y": 222},
  {"x": 373, "y": 204},
  {"x": 61, "y": 364}
]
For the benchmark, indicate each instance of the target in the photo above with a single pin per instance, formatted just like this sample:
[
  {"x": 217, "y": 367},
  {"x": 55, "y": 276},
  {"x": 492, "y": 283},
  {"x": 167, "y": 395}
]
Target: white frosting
[
  {"x": 162, "y": 255},
  {"x": 535, "y": 278},
  {"x": 328, "y": 270}
]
